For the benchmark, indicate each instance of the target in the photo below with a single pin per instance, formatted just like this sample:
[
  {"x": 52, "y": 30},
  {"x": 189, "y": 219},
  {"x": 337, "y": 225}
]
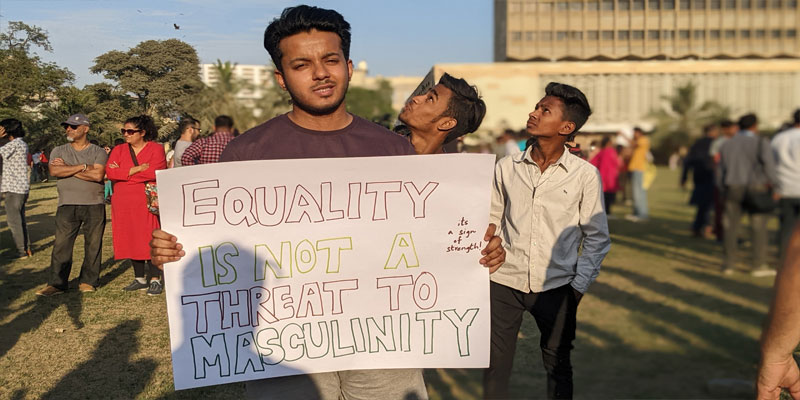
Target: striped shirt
[{"x": 206, "y": 150}]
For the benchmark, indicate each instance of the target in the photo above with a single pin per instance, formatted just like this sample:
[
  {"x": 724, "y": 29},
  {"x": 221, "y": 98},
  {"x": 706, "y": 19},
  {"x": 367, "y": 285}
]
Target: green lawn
[{"x": 660, "y": 321}]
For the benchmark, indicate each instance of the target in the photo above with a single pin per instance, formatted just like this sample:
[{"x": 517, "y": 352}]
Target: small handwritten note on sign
[{"x": 314, "y": 265}]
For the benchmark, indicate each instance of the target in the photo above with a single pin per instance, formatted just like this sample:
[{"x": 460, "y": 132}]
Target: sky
[{"x": 394, "y": 37}]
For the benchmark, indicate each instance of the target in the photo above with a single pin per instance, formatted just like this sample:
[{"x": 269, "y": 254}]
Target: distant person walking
[
  {"x": 746, "y": 163},
  {"x": 637, "y": 166},
  {"x": 207, "y": 150},
  {"x": 80, "y": 168},
  {"x": 189, "y": 129},
  {"x": 786, "y": 146},
  {"x": 15, "y": 184},
  {"x": 700, "y": 164},
  {"x": 608, "y": 163},
  {"x": 130, "y": 167}
]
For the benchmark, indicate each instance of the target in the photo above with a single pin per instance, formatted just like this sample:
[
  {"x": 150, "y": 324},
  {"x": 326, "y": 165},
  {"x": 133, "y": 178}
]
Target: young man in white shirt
[{"x": 548, "y": 205}]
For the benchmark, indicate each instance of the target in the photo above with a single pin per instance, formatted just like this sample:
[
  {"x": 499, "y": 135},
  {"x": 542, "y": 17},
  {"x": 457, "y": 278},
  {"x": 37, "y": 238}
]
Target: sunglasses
[
  {"x": 73, "y": 127},
  {"x": 129, "y": 131}
]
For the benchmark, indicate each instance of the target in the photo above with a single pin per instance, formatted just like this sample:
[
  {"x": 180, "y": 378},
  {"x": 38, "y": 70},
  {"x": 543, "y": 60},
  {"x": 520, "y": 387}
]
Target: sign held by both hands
[{"x": 315, "y": 265}]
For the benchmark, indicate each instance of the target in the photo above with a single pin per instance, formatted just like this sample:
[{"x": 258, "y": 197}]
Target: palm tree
[{"x": 682, "y": 120}]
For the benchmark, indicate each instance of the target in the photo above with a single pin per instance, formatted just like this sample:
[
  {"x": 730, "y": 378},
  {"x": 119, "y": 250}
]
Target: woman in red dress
[{"x": 131, "y": 221}]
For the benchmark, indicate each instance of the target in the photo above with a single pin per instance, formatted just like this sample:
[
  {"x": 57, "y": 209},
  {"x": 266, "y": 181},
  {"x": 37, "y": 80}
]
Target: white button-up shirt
[
  {"x": 15, "y": 167},
  {"x": 552, "y": 223}
]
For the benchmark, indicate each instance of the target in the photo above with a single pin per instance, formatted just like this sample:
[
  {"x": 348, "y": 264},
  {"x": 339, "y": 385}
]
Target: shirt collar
[
  {"x": 747, "y": 132},
  {"x": 563, "y": 161}
]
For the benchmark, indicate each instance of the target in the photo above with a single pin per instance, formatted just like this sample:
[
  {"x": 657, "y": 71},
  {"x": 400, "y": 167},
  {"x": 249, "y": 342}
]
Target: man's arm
[
  {"x": 86, "y": 172},
  {"x": 782, "y": 335},
  {"x": 192, "y": 153},
  {"x": 594, "y": 226}
]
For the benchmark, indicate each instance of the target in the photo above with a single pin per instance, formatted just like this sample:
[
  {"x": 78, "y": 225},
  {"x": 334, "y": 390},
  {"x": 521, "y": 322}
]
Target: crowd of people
[{"x": 543, "y": 250}]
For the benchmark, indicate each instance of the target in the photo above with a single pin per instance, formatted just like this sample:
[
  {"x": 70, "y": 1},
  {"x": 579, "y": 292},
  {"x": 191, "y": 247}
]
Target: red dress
[{"x": 131, "y": 222}]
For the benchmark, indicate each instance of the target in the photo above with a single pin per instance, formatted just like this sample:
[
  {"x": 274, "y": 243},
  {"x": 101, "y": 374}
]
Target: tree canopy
[{"x": 163, "y": 75}]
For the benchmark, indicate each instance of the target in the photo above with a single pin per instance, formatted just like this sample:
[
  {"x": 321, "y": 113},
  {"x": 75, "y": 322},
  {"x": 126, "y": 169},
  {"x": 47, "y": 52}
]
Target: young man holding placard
[
  {"x": 310, "y": 49},
  {"x": 548, "y": 204}
]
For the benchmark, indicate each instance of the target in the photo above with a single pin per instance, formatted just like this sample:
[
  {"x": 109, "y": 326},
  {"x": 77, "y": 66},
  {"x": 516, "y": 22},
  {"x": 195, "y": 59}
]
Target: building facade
[{"x": 553, "y": 30}]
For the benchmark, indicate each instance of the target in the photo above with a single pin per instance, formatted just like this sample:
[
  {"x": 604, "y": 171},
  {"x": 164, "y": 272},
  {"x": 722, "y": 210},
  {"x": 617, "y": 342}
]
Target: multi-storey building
[{"x": 555, "y": 30}]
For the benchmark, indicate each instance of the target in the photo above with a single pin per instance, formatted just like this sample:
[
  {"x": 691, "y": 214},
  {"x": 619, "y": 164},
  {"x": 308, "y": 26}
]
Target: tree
[
  {"x": 224, "y": 98},
  {"x": 371, "y": 104},
  {"x": 163, "y": 75},
  {"x": 27, "y": 81},
  {"x": 682, "y": 120}
]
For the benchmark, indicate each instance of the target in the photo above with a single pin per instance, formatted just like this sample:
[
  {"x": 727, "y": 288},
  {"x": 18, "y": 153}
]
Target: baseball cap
[{"x": 76, "y": 119}]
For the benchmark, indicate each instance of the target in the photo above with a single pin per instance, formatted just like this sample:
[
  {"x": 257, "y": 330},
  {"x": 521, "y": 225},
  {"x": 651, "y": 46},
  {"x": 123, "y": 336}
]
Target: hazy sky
[{"x": 395, "y": 37}]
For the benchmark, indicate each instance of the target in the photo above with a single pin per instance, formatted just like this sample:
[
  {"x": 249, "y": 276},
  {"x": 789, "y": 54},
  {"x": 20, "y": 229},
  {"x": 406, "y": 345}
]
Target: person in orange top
[
  {"x": 636, "y": 166},
  {"x": 129, "y": 167}
]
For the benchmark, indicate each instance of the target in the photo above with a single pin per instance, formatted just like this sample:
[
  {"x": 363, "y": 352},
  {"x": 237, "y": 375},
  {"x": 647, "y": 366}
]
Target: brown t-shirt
[{"x": 280, "y": 138}]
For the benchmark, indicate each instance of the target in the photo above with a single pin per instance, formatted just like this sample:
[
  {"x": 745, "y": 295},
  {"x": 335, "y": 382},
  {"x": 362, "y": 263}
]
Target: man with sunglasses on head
[{"x": 80, "y": 168}]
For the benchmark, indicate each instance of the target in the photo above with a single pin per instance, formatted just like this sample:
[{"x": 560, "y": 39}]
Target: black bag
[{"x": 758, "y": 198}]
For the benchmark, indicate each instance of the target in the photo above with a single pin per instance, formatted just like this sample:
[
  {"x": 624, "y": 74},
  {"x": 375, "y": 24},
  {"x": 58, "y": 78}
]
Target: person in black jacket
[{"x": 700, "y": 163}]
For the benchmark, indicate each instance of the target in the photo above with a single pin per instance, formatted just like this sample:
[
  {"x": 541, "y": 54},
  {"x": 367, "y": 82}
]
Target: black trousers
[
  {"x": 69, "y": 220},
  {"x": 554, "y": 311}
]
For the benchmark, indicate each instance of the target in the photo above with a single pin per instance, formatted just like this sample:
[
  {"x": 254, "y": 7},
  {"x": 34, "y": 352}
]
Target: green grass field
[{"x": 659, "y": 322}]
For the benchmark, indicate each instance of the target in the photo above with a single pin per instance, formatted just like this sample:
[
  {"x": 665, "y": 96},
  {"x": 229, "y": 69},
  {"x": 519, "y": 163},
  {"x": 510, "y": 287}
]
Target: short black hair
[
  {"x": 605, "y": 141},
  {"x": 708, "y": 128},
  {"x": 636, "y": 128},
  {"x": 144, "y": 122},
  {"x": 223, "y": 121},
  {"x": 185, "y": 123},
  {"x": 726, "y": 123},
  {"x": 465, "y": 106},
  {"x": 304, "y": 18},
  {"x": 576, "y": 108},
  {"x": 748, "y": 121},
  {"x": 13, "y": 127},
  {"x": 796, "y": 116}
]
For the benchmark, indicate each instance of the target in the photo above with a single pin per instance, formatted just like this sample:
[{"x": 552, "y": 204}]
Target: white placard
[{"x": 314, "y": 265}]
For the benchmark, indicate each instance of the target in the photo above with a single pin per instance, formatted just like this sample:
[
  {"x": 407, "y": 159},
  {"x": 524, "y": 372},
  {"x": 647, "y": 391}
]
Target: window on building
[
  {"x": 746, "y": 4},
  {"x": 516, "y": 36},
  {"x": 593, "y": 35},
  {"x": 637, "y": 34},
  {"x": 653, "y": 4},
  {"x": 529, "y": 7},
  {"x": 546, "y": 36},
  {"x": 730, "y": 34},
  {"x": 576, "y": 5},
  {"x": 744, "y": 34},
  {"x": 791, "y": 33},
  {"x": 562, "y": 5},
  {"x": 561, "y": 35},
  {"x": 653, "y": 34},
  {"x": 608, "y": 35},
  {"x": 624, "y": 4},
  {"x": 730, "y": 4},
  {"x": 607, "y": 5},
  {"x": 715, "y": 4},
  {"x": 761, "y": 4},
  {"x": 684, "y": 4},
  {"x": 700, "y": 4},
  {"x": 530, "y": 36},
  {"x": 792, "y": 4},
  {"x": 668, "y": 35},
  {"x": 623, "y": 35},
  {"x": 545, "y": 7},
  {"x": 683, "y": 34},
  {"x": 775, "y": 4},
  {"x": 514, "y": 7},
  {"x": 576, "y": 35},
  {"x": 638, "y": 4},
  {"x": 699, "y": 35},
  {"x": 668, "y": 4},
  {"x": 591, "y": 5},
  {"x": 760, "y": 33},
  {"x": 714, "y": 34},
  {"x": 776, "y": 33}
]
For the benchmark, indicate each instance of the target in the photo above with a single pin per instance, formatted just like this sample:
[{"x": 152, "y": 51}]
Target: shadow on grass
[{"x": 110, "y": 368}]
